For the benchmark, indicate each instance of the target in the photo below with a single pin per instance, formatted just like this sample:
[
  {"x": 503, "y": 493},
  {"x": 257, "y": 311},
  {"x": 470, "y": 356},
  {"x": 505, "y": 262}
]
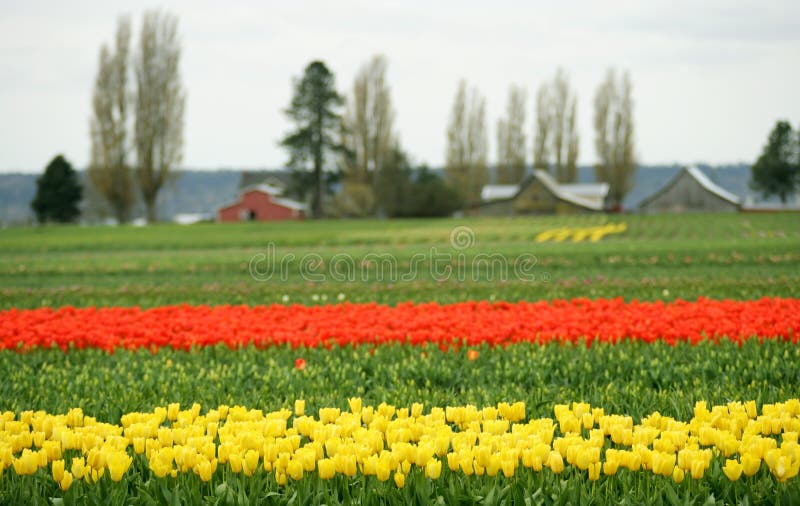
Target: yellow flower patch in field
[
  {"x": 580, "y": 234},
  {"x": 387, "y": 442}
]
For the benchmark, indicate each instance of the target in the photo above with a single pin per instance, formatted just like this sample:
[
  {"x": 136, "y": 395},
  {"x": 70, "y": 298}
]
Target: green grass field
[
  {"x": 739, "y": 256},
  {"x": 742, "y": 256}
]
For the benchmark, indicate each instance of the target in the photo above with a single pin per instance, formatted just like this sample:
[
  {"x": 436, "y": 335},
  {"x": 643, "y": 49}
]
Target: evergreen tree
[
  {"x": 314, "y": 112},
  {"x": 58, "y": 193},
  {"x": 777, "y": 170}
]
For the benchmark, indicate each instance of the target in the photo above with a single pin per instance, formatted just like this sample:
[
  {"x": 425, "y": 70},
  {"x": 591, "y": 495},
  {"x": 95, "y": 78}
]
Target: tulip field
[{"x": 547, "y": 360}]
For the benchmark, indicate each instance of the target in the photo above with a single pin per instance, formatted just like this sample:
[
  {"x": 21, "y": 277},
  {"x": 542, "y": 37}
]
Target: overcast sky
[{"x": 709, "y": 80}]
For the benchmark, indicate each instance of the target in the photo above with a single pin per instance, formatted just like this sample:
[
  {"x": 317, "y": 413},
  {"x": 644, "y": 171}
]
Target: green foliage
[
  {"x": 58, "y": 193},
  {"x": 316, "y": 121},
  {"x": 777, "y": 170},
  {"x": 430, "y": 196},
  {"x": 403, "y": 191}
]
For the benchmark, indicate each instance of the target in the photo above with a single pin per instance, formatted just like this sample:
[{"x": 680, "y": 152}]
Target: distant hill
[{"x": 204, "y": 191}]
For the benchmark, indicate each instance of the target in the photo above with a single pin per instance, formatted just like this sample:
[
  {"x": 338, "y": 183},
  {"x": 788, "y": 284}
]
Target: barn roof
[
  {"x": 271, "y": 190},
  {"x": 587, "y": 190},
  {"x": 578, "y": 194},
  {"x": 499, "y": 191},
  {"x": 709, "y": 185},
  {"x": 704, "y": 181},
  {"x": 551, "y": 184}
]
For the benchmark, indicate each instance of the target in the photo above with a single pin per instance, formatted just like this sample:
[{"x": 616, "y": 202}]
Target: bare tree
[
  {"x": 467, "y": 145},
  {"x": 541, "y": 132},
  {"x": 614, "y": 129},
  {"x": 160, "y": 100},
  {"x": 511, "y": 139},
  {"x": 109, "y": 172},
  {"x": 556, "y": 135},
  {"x": 565, "y": 138},
  {"x": 368, "y": 130}
]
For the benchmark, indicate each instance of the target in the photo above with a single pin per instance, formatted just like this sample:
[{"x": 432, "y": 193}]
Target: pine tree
[
  {"x": 58, "y": 193},
  {"x": 777, "y": 170},
  {"x": 314, "y": 112}
]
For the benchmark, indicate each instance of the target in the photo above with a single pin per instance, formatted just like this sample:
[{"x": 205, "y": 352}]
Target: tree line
[
  {"x": 555, "y": 140},
  {"x": 360, "y": 149},
  {"x": 350, "y": 141}
]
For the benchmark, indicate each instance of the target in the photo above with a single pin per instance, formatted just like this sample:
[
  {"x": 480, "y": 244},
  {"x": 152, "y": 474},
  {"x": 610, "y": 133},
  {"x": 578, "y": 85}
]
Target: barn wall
[
  {"x": 261, "y": 205},
  {"x": 229, "y": 214},
  {"x": 687, "y": 195},
  {"x": 535, "y": 198},
  {"x": 264, "y": 208}
]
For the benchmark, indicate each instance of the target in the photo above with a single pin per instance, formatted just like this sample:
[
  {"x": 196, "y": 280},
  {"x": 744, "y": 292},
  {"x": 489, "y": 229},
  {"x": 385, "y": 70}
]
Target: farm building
[
  {"x": 262, "y": 202},
  {"x": 539, "y": 193},
  {"x": 690, "y": 191}
]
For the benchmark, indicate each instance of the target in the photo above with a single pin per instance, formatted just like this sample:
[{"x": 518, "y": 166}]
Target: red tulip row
[{"x": 472, "y": 323}]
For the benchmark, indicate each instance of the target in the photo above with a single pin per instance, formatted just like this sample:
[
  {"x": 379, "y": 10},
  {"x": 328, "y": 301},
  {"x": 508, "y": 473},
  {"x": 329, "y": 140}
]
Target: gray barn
[{"x": 690, "y": 191}]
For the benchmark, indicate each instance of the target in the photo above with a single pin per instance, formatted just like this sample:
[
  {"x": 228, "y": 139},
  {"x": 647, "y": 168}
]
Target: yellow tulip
[
  {"x": 66, "y": 481},
  {"x": 78, "y": 467},
  {"x": 355, "y": 405},
  {"x": 433, "y": 469},
  {"x": 594, "y": 471},
  {"x": 424, "y": 454},
  {"x": 326, "y": 468},
  {"x": 555, "y": 462},
  {"x": 118, "y": 463},
  {"x": 466, "y": 464},
  {"x": 493, "y": 466},
  {"x": 383, "y": 470},
  {"x": 399, "y": 479},
  {"x": 295, "y": 469},
  {"x": 508, "y": 466},
  {"x": 732, "y": 469},
  {"x": 663, "y": 463},
  {"x": 612, "y": 462},
  {"x": 57, "y": 467},
  {"x": 250, "y": 462},
  {"x": 698, "y": 469},
  {"x": 453, "y": 461},
  {"x": 750, "y": 464},
  {"x": 235, "y": 461},
  {"x": 677, "y": 474},
  {"x": 205, "y": 469}
]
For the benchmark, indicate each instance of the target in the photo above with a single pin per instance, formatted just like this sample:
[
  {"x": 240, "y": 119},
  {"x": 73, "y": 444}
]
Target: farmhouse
[
  {"x": 262, "y": 202},
  {"x": 539, "y": 193},
  {"x": 690, "y": 191}
]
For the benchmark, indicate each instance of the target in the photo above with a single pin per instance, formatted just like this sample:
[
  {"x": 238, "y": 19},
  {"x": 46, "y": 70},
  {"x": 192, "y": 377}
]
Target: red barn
[{"x": 261, "y": 203}]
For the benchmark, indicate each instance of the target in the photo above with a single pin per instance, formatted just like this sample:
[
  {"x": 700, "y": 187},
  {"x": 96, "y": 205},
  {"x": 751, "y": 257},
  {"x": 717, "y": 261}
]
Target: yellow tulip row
[
  {"x": 388, "y": 441},
  {"x": 578, "y": 234}
]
